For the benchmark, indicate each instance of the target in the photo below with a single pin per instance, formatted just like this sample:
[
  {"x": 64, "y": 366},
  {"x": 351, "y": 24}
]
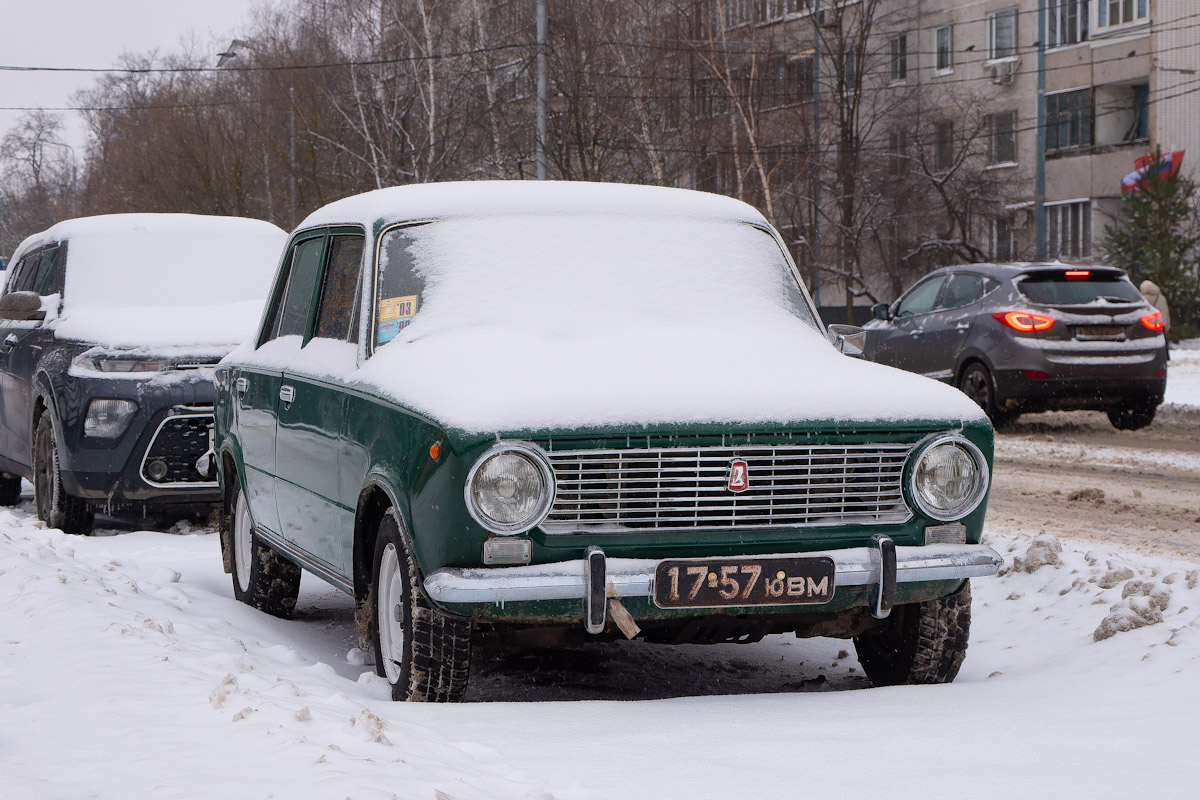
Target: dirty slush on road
[{"x": 1074, "y": 475}]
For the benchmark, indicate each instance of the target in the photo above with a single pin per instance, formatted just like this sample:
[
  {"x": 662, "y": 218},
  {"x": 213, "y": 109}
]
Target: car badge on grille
[{"x": 739, "y": 476}]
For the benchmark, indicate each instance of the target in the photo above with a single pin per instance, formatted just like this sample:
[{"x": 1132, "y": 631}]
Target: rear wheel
[
  {"x": 424, "y": 654},
  {"x": 977, "y": 383},
  {"x": 919, "y": 643},
  {"x": 1132, "y": 416},
  {"x": 55, "y": 507},
  {"x": 261, "y": 577}
]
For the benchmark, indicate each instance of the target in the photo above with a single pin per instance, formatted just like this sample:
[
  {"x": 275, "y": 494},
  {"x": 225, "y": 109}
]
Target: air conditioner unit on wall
[{"x": 1004, "y": 72}]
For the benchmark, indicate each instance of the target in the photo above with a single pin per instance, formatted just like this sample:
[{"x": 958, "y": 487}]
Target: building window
[
  {"x": 1070, "y": 229},
  {"x": 849, "y": 70},
  {"x": 1002, "y": 130},
  {"x": 778, "y": 9},
  {"x": 1002, "y": 34},
  {"x": 944, "y": 40},
  {"x": 1122, "y": 12},
  {"x": 1066, "y": 22},
  {"x": 707, "y": 97},
  {"x": 739, "y": 12},
  {"x": 943, "y": 154},
  {"x": 899, "y": 46},
  {"x": 1003, "y": 239},
  {"x": 1141, "y": 110},
  {"x": 1069, "y": 120},
  {"x": 789, "y": 81},
  {"x": 898, "y": 152}
]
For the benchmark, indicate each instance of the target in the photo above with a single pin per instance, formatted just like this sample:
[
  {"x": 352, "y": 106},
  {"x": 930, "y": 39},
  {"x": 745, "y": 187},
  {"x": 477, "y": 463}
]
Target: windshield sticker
[{"x": 395, "y": 313}]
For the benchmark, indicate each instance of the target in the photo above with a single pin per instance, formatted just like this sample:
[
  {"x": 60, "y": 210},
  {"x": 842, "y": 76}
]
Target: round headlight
[
  {"x": 949, "y": 479},
  {"x": 510, "y": 488}
]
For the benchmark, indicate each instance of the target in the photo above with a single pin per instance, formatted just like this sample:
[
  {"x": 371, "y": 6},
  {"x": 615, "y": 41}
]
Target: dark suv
[
  {"x": 1022, "y": 338},
  {"x": 110, "y": 328}
]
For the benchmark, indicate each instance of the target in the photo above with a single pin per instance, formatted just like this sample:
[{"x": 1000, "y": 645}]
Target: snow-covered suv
[{"x": 109, "y": 331}]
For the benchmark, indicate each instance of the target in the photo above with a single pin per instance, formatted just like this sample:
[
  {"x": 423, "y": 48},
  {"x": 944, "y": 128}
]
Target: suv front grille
[
  {"x": 178, "y": 443},
  {"x": 789, "y": 486}
]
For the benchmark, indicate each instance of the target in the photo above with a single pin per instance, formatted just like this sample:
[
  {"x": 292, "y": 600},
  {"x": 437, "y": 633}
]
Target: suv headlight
[
  {"x": 949, "y": 478},
  {"x": 108, "y": 418},
  {"x": 510, "y": 488}
]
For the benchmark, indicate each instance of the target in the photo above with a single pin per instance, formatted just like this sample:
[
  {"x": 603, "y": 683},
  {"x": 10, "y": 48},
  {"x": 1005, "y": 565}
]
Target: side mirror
[
  {"x": 881, "y": 311},
  {"x": 850, "y": 340},
  {"x": 21, "y": 306}
]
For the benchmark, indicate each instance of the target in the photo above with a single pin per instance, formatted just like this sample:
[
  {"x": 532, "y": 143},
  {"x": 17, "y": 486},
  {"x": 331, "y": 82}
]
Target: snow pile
[
  {"x": 130, "y": 651},
  {"x": 1183, "y": 375},
  {"x": 571, "y": 321},
  {"x": 163, "y": 279}
]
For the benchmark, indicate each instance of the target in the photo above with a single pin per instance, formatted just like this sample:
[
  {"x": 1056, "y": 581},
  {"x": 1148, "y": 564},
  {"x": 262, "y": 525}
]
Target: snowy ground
[{"x": 127, "y": 670}]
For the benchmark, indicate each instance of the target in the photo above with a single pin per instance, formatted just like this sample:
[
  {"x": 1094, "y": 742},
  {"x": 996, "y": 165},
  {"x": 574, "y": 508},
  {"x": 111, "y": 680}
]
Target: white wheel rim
[
  {"x": 389, "y": 613},
  {"x": 243, "y": 539}
]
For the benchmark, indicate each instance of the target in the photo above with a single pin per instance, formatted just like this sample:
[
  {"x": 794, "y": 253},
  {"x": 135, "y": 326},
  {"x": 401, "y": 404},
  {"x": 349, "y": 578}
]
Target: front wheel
[
  {"x": 977, "y": 383},
  {"x": 1132, "y": 416},
  {"x": 55, "y": 507},
  {"x": 919, "y": 643},
  {"x": 424, "y": 654},
  {"x": 261, "y": 577}
]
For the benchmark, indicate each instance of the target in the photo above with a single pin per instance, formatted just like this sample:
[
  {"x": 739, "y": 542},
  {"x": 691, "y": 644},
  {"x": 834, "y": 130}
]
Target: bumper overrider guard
[{"x": 595, "y": 579}]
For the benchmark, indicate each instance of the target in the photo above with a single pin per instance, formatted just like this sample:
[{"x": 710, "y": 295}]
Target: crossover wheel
[
  {"x": 261, "y": 577},
  {"x": 10, "y": 490},
  {"x": 977, "y": 383},
  {"x": 1132, "y": 416},
  {"x": 919, "y": 643},
  {"x": 54, "y": 506},
  {"x": 425, "y": 655}
]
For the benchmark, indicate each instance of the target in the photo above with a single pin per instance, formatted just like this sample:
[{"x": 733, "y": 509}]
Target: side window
[
  {"x": 290, "y": 314},
  {"x": 49, "y": 273},
  {"x": 401, "y": 286},
  {"x": 24, "y": 274},
  {"x": 337, "y": 313},
  {"x": 961, "y": 290},
  {"x": 921, "y": 299}
]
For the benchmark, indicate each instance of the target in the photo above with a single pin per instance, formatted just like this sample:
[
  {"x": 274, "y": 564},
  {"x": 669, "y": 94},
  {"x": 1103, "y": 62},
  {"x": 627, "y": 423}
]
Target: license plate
[
  {"x": 1094, "y": 331},
  {"x": 714, "y": 582}
]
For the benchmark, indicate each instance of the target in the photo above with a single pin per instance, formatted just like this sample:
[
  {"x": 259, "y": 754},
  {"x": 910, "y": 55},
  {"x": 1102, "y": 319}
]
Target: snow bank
[
  {"x": 611, "y": 319},
  {"x": 1183, "y": 376},
  {"x": 163, "y": 279},
  {"x": 130, "y": 651}
]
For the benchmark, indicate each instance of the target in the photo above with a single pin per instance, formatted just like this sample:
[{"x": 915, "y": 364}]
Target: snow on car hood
[
  {"x": 533, "y": 322},
  {"x": 162, "y": 280}
]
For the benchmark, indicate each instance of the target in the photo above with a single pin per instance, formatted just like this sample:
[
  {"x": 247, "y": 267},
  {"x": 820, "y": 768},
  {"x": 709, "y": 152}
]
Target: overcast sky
[{"x": 94, "y": 33}]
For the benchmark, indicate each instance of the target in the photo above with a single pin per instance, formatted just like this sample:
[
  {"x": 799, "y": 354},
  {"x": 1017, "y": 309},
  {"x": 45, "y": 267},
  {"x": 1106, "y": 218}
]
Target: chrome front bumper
[{"x": 634, "y": 577}]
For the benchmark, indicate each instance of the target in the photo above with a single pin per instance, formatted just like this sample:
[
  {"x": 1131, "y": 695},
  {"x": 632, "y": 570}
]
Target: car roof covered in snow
[{"x": 487, "y": 198}]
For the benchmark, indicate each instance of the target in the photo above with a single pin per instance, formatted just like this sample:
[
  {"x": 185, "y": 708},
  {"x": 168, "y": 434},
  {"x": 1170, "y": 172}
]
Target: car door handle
[
  {"x": 286, "y": 393},
  {"x": 9, "y": 342},
  {"x": 962, "y": 326},
  {"x": 241, "y": 385}
]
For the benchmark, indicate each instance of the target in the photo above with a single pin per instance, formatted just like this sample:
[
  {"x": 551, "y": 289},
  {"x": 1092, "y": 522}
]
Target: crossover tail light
[
  {"x": 1024, "y": 321},
  {"x": 1153, "y": 322}
]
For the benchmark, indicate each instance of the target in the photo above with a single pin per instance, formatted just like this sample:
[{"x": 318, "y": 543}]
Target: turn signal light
[
  {"x": 1153, "y": 322},
  {"x": 1024, "y": 321}
]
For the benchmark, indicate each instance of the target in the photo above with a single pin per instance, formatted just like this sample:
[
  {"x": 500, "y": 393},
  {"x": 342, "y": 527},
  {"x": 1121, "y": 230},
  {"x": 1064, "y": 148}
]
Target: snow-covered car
[
  {"x": 542, "y": 412},
  {"x": 110, "y": 328}
]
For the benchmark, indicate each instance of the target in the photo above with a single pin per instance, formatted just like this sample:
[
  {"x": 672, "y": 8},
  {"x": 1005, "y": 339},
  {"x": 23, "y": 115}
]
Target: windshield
[
  {"x": 1056, "y": 290},
  {"x": 573, "y": 274}
]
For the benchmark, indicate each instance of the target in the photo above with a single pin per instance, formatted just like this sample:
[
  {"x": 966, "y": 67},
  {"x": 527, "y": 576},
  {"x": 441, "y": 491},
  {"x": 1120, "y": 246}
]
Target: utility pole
[
  {"x": 292, "y": 151},
  {"x": 541, "y": 90},
  {"x": 816, "y": 212},
  {"x": 1039, "y": 198}
]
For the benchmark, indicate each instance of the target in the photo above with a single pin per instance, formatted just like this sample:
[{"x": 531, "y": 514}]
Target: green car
[{"x": 540, "y": 413}]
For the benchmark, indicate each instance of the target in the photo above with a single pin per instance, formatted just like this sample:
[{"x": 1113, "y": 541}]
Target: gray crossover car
[{"x": 1022, "y": 338}]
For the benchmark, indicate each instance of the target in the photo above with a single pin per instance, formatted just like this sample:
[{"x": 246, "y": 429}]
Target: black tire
[
  {"x": 55, "y": 507},
  {"x": 1133, "y": 416},
  {"x": 262, "y": 578},
  {"x": 10, "y": 490},
  {"x": 977, "y": 383},
  {"x": 432, "y": 661},
  {"x": 919, "y": 643}
]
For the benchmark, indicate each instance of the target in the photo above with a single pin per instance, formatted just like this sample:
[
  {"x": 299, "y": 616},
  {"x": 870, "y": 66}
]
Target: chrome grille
[{"x": 668, "y": 489}]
